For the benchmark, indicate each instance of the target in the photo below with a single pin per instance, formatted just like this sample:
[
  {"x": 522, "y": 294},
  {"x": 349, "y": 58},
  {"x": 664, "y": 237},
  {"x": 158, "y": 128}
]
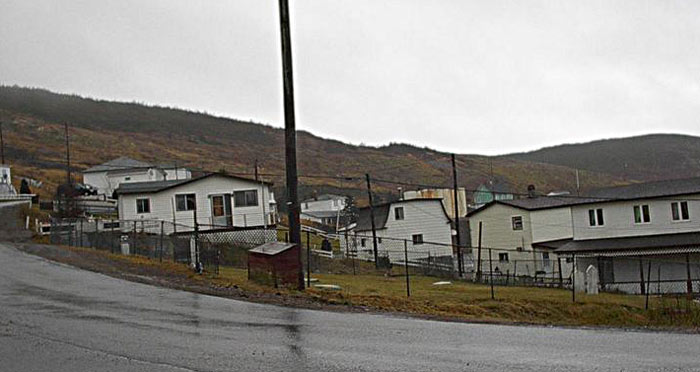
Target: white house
[
  {"x": 324, "y": 209},
  {"x": 324, "y": 203},
  {"x": 523, "y": 234},
  {"x": 217, "y": 201},
  {"x": 6, "y": 187},
  {"x": 108, "y": 176},
  {"x": 631, "y": 226},
  {"x": 423, "y": 222}
]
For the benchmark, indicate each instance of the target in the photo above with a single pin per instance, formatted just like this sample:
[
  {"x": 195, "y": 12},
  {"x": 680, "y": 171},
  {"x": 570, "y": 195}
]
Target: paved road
[{"x": 57, "y": 318}]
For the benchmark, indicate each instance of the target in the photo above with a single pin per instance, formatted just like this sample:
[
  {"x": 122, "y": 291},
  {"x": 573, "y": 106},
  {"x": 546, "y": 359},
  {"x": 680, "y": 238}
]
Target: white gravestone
[{"x": 592, "y": 280}]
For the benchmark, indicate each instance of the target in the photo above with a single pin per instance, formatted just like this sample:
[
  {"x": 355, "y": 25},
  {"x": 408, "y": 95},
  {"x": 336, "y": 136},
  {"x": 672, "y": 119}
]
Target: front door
[{"x": 221, "y": 215}]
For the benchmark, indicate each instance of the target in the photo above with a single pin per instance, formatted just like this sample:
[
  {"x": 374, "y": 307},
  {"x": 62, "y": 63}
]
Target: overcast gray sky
[{"x": 484, "y": 76}]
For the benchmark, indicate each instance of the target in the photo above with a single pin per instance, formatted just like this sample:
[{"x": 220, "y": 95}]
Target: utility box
[{"x": 275, "y": 264}]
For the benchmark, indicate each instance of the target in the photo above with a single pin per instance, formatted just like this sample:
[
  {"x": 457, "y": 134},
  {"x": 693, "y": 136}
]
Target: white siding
[
  {"x": 177, "y": 174},
  {"x": 619, "y": 219},
  {"x": 551, "y": 224},
  {"x": 107, "y": 182},
  {"x": 323, "y": 205},
  {"x": 425, "y": 217},
  {"x": 163, "y": 203},
  {"x": 497, "y": 232}
]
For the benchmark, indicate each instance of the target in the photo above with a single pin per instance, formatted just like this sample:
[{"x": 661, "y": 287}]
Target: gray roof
[
  {"x": 158, "y": 186},
  {"x": 272, "y": 248},
  {"x": 546, "y": 202},
  {"x": 149, "y": 187},
  {"x": 661, "y": 241},
  {"x": 539, "y": 202},
  {"x": 656, "y": 189},
  {"x": 117, "y": 164},
  {"x": 381, "y": 213}
]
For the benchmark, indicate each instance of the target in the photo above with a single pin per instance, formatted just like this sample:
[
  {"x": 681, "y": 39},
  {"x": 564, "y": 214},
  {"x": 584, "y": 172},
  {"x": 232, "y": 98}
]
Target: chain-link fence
[
  {"x": 161, "y": 240},
  {"x": 345, "y": 254}
]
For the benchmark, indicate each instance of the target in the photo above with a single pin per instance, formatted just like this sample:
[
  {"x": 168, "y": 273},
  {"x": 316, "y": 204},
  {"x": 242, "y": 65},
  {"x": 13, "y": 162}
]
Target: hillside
[
  {"x": 650, "y": 157},
  {"x": 102, "y": 130}
]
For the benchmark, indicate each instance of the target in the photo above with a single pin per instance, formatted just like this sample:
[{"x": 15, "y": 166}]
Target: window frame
[
  {"x": 148, "y": 205},
  {"x": 417, "y": 239},
  {"x": 399, "y": 211},
  {"x": 186, "y": 196},
  {"x": 513, "y": 220},
  {"x": 643, "y": 211},
  {"x": 245, "y": 194},
  {"x": 596, "y": 217},
  {"x": 503, "y": 255},
  {"x": 677, "y": 211}
]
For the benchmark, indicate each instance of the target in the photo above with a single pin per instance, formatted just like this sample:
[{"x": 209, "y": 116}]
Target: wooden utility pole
[
  {"x": 68, "y": 176},
  {"x": 290, "y": 137},
  {"x": 460, "y": 265},
  {"x": 371, "y": 217}
]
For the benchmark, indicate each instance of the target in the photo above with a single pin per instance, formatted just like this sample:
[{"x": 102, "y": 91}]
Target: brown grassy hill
[
  {"x": 649, "y": 157},
  {"x": 101, "y": 130}
]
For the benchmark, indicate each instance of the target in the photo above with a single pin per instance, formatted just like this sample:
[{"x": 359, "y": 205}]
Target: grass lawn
[
  {"x": 375, "y": 292},
  {"x": 468, "y": 301}
]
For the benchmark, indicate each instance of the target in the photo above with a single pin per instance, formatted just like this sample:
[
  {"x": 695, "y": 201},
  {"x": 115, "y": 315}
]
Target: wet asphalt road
[{"x": 57, "y": 318}]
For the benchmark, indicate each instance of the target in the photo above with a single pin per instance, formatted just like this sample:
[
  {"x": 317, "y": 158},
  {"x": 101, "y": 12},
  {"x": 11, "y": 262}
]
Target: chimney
[{"x": 531, "y": 193}]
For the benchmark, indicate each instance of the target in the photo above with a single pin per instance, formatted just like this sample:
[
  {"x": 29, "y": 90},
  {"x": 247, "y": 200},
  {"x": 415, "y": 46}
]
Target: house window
[
  {"x": 417, "y": 239},
  {"x": 398, "y": 213},
  {"x": 143, "y": 206},
  {"x": 248, "y": 198},
  {"x": 641, "y": 214},
  {"x": 595, "y": 217},
  {"x": 517, "y": 222},
  {"x": 127, "y": 178},
  {"x": 545, "y": 260},
  {"x": 503, "y": 257},
  {"x": 185, "y": 202},
  {"x": 363, "y": 242},
  {"x": 379, "y": 240},
  {"x": 217, "y": 206},
  {"x": 679, "y": 211}
]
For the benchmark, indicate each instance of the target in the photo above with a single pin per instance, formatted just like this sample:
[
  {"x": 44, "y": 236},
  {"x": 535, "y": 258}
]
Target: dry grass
[
  {"x": 472, "y": 302},
  {"x": 456, "y": 301}
]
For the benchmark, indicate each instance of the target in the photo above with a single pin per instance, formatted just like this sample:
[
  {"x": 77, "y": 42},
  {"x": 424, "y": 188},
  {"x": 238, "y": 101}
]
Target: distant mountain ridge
[
  {"x": 103, "y": 130},
  {"x": 647, "y": 157}
]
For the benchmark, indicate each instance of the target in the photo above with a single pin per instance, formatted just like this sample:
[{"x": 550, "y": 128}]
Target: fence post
[
  {"x": 690, "y": 280},
  {"x": 162, "y": 231},
  {"x": 112, "y": 235},
  {"x": 641, "y": 276},
  {"x": 561, "y": 276},
  {"x": 405, "y": 264},
  {"x": 133, "y": 235},
  {"x": 308, "y": 259},
  {"x": 493, "y": 297},
  {"x": 478, "y": 257},
  {"x": 646, "y": 301},
  {"x": 97, "y": 232},
  {"x": 573, "y": 278}
]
